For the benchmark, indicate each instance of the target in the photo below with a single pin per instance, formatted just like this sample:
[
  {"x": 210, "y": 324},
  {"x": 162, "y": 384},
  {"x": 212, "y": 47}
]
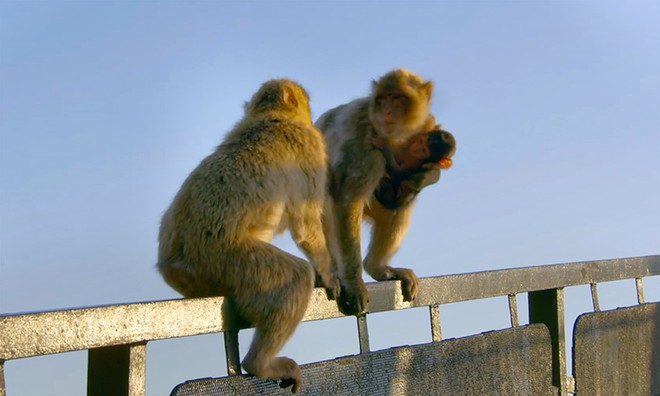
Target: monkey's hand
[
  {"x": 330, "y": 282},
  {"x": 410, "y": 187},
  {"x": 353, "y": 298},
  {"x": 378, "y": 142},
  {"x": 423, "y": 179},
  {"x": 409, "y": 282}
]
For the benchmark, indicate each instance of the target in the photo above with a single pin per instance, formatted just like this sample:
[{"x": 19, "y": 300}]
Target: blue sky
[{"x": 105, "y": 107}]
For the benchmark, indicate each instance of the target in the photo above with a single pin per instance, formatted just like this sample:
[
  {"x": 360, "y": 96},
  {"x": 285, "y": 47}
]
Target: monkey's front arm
[
  {"x": 354, "y": 188},
  {"x": 307, "y": 232}
]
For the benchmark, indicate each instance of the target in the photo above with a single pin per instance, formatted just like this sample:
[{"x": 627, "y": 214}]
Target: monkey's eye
[{"x": 399, "y": 98}]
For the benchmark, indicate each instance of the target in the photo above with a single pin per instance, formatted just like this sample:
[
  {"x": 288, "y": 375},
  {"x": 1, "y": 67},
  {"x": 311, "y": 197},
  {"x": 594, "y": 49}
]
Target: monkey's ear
[
  {"x": 289, "y": 96},
  {"x": 427, "y": 88}
]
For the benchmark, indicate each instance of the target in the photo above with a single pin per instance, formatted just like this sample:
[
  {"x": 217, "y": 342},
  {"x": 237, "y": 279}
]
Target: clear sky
[{"x": 106, "y": 106}]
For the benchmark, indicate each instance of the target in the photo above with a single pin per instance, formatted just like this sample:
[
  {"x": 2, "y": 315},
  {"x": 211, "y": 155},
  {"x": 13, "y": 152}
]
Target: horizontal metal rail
[{"x": 43, "y": 333}]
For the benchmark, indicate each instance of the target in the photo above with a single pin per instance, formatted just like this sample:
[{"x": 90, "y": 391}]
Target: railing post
[
  {"x": 363, "y": 333},
  {"x": 640, "y": 290},
  {"x": 233, "y": 323},
  {"x": 513, "y": 310},
  {"x": 2, "y": 378},
  {"x": 232, "y": 352},
  {"x": 594, "y": 297},
  {"x": 436, "y": 330},
  {"x": 547, "y": 307},
  {"x": 117, "y": 370}
]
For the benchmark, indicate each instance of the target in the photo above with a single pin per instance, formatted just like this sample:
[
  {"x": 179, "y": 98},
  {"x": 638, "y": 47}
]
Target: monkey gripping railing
[{"x": 116, "y": 336}]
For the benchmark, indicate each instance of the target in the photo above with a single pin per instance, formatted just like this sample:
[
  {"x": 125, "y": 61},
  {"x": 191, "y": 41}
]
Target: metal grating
[
  {"x": 515, "y": 361},
  {"x": 618, "y": 352}
]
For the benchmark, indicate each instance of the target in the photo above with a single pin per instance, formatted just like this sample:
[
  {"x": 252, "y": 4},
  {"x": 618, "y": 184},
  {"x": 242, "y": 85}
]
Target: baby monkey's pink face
[{"x": 419, "y": 146}]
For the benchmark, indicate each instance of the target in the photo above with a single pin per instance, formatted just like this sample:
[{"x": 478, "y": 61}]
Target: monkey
[
  {"x": 396, "y": 109},
  {"x": 421, "y": 150},
  {"x": 269, "y": 174},
  {"x": 405, "y": 170}
]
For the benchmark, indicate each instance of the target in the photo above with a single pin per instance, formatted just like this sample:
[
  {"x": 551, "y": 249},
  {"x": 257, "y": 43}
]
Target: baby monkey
[{"x": 406, "y": 168}]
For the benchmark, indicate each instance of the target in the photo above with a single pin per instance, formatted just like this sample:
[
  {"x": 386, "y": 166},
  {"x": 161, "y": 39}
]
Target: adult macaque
[
  {"x": 397, "y": 108},
  {"x": 268, "y": 174}
]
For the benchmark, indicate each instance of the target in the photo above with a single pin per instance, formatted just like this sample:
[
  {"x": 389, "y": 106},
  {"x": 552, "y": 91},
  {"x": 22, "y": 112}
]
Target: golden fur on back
[{"x": 268, "y": 174}]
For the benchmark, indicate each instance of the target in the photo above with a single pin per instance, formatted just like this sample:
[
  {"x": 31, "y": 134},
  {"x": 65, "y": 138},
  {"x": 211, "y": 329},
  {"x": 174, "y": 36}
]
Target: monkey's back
[
  {"x": 348, "y": 134},
  {"x": 243, "y": 189}
]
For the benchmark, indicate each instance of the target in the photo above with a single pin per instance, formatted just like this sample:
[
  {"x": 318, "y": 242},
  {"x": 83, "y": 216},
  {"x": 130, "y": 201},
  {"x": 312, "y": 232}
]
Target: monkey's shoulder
[{"x": 345, "y": 119}]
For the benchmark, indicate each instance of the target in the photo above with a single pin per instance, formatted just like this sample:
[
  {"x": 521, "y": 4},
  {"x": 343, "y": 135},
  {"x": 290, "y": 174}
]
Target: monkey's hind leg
[
  {"x": 388, "y": 229},
  {"x": 274, "y": 301},
  {"x": 181, "y": 278}
]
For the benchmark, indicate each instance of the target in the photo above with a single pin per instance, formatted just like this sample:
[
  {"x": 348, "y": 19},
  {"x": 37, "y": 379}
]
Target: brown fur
[
  {"x": 356, "y": 167},
  {"x": 268, "y": 174}
]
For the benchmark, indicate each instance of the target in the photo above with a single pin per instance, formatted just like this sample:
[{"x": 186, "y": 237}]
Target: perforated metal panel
[
  {"x": 618, "y": 352},
  {"x": 508, "y": 362}
]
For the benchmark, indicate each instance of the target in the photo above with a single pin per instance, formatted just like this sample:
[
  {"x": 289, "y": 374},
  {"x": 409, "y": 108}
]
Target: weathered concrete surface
[
  {"x": 508, "y": 362},
  {"x": 71, "y": 330},
  {"x": 618, "y": 352}
]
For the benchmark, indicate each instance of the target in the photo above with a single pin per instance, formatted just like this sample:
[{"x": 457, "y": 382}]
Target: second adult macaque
[{"x": 397, "y": 108}]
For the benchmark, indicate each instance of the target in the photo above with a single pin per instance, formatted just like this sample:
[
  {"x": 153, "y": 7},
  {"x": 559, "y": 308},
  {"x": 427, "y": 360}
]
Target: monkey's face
[
  {"x": 399, "y": 105},
  {"x": 419, "y": 147},
  {"x": 389, "y": 110}
]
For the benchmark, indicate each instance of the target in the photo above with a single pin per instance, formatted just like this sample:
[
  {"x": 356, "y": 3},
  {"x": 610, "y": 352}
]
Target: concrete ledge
[{"x": 25, "y": 335}]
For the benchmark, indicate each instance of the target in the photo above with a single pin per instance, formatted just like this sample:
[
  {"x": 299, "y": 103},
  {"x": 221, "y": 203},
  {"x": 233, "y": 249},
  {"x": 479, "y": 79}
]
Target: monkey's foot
[
  {"x": 409, "y": 282},
  {"x": 291, "y": 374},
  {"x": 330, "y": 282},
  {"x": 279, "y": 368},
  {"x": 353, "y": 298}
]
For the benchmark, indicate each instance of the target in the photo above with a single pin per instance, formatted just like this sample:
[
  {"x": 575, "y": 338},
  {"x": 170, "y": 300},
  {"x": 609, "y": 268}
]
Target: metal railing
[{"x": 116, "y": 336}]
